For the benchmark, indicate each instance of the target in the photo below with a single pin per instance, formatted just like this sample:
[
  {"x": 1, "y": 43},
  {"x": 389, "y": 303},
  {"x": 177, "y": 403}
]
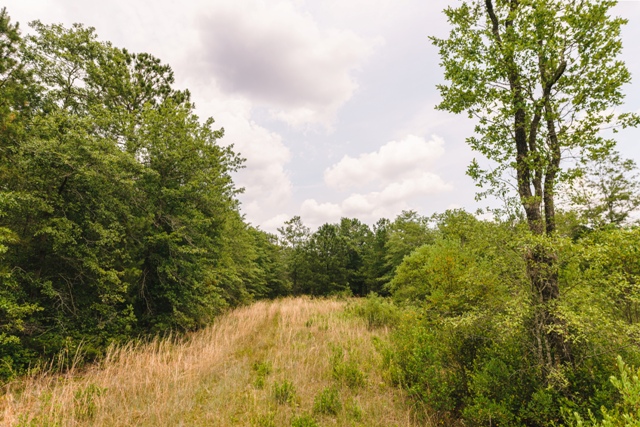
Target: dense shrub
[
  {"x": 377, "y": 311},
  {"x": 470, "y": 353}
]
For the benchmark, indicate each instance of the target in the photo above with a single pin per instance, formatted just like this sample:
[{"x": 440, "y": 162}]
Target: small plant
[
  {"x": 84, "y": 399},
  {"x": 346, "y": 371},
  {"x": 321, "y": 322},
  {"x": 262, "y": 370},
  {"x": 354, "y": 410},
  {"x": 626, "y": 412},
  {"x": 327, "y": 402},
  {"x": 265, "y": 420},
  {"x": 304, "y": 420},
  {"x": 284, "y": 392}
]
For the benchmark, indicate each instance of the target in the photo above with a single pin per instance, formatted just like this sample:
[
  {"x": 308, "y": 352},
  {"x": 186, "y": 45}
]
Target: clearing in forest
[{"x": 291, "y": 362}]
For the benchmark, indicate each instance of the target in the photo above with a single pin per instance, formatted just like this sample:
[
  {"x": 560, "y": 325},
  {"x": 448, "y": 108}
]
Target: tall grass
[{"x": 224, "y": 375}]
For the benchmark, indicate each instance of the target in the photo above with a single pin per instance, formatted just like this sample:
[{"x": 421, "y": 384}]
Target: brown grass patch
[{"x": 227, "y": 375}]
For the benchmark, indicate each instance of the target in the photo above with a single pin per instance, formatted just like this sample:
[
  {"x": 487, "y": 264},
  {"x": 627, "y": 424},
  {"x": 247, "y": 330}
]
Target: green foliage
[
  {"x": 304, "y": 420},
  {"x": 606, "y": 191},
  {"x": 284, "y": 392},
  {"x": 262, "y": 371},
  {"x": 118, "y": 215},
  {"x": 327, "y": 402},
  {"x": 470, "y": 266},
  {"x": 376, "y": 269},
  {"x": 265, "y": 420},
  {"x": 326, "y": 257},
  {"x": 349, "y": 256},
  {"x": 293, "y": 238},
  {"x": 541, "y": 77},
  {"x": 627, "y": 411},
  {"x": 330, "y": 261},
  {"x": 354, "y": 410},
  {"x": 377, "y": 311},
  {"x": 85, "y": 401},
  {"x": 466, "y": 348},
  {"x": 346, "y": 369},
  {"x": 406, "y": 233}
]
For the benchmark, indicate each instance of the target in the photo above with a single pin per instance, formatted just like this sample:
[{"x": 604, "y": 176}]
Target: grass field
[{"x": 292, "y": 362}]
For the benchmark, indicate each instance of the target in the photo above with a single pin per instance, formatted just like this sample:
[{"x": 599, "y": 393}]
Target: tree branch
[{"x": 494, "y": 21}]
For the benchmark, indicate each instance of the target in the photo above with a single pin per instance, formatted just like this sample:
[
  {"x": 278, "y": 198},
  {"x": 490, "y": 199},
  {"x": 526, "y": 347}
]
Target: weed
[
  {"x": 84, "y": 399},
  {"x": 321, "y": 322},
  {"x": 262, "y": 370},
  {"x": 354, "y": 410},
  {"x": 377, "y": 312},
  {"x": 265, "y": 420},
  {"x": 284, "y": 392},
  {"x": 304, "y": 420},
  {"x": 327, "y": 402},
  {"x": 346, "y": 371}
]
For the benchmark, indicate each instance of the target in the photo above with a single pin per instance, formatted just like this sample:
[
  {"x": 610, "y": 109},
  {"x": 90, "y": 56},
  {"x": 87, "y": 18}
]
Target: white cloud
[
  {"x": 280, "y": 58},
  {"x": 399, "y": 173},
  {"x": 315, "y": 214},
  {"x": 267, "y": 184},
  {"x": 369, "y": 207},
  {"x": 264, "y": 178},
  {"x": 271, "y": 225},
  {"x": 407, "y": 158}
]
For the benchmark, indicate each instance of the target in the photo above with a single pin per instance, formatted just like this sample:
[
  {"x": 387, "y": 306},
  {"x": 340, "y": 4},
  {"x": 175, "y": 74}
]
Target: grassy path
[{"x": 292, "y": 362}]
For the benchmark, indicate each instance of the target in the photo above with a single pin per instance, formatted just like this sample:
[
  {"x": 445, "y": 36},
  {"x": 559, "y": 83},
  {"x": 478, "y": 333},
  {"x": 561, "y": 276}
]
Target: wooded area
[{"x": 119, "y": 221}]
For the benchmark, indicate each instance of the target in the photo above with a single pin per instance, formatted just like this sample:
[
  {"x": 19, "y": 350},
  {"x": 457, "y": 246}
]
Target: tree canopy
[
  {"x": 118, "y": 213},
  {"x": 541, "y": 78}
]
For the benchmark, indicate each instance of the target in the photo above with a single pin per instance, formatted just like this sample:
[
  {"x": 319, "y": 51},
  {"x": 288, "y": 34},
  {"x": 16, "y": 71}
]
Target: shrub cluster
[{"x": 472, "y": 351}]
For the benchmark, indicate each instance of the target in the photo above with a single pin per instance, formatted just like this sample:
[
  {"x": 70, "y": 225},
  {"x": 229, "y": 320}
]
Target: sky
[{"x": 331, "y": 102}]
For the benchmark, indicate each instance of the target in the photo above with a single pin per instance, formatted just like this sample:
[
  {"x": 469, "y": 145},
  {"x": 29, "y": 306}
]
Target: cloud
[
  {"x": 280, "y": 58},
  {"x": 369, "y": 207},
  {"x": 265, "y": 178},
  {"x": 267, "y": 186},
  {"x": 395, "y": 160},
  {"x": 272, "y": 224},
  {"x": 399, "y": 173},
  {"x": 315, "y": 214}
]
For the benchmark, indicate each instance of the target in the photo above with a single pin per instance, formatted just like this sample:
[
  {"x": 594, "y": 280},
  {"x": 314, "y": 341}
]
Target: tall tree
[
  {"x": 355, "y": 236},
  {"x": 294, "y": 238},
  {"x": 541, "y": 77},
  {"x": 17, "y": 93},
  {"x": 406, "y": 233},
  {"x": 117, "y": 207}
]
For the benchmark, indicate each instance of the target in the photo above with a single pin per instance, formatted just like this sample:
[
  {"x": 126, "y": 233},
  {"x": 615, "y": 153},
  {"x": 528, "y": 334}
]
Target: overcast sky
[{"x": 331, "y": 102}]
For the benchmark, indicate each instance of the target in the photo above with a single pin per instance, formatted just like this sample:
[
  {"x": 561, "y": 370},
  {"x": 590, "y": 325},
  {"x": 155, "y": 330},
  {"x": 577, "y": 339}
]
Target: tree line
[{"x": 118, "y": 213}]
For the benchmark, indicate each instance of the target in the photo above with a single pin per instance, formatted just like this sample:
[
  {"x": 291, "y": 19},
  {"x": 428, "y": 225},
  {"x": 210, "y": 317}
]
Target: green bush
[
  {"x": 85, "y": 401},
  {"x": 284, "y": 393},
  {"x": 327, "y": 402},
  {"x": 377, "y": 311},
  {"x": 347, "y": 370},
  {"x": 264, "y": 420},
  {"x": 627, "y": 412},
  {"x": 304, "y": 420},
  {"x": 354, "y": 410},
  {"x": 262, "y": 370},
  {"x": 468, "y": 349}
]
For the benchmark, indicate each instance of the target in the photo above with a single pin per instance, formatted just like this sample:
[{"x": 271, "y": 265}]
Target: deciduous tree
[{"x": 541, "y": 78}]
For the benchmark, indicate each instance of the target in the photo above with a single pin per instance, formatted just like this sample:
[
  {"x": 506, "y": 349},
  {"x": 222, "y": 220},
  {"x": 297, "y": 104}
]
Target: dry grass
[{"x": 227, "y": 375}]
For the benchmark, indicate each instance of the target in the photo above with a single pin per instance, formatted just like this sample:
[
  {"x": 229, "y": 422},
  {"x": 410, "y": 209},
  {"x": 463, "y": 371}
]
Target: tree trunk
[{"x": 551, "y": 347}]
